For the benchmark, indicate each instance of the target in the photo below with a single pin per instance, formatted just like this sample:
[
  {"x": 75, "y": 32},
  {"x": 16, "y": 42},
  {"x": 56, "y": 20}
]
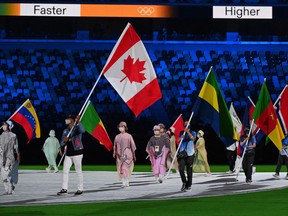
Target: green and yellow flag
[
  {"x": 212, "y": 110},
  {"x": 94, "y": 126}
]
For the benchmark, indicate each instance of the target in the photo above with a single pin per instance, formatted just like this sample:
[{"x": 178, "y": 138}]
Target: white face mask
[
  {"x": 67, "y": 121},
  {"x": 5, "y": 127},
  {"x": 122, "y": 129}
]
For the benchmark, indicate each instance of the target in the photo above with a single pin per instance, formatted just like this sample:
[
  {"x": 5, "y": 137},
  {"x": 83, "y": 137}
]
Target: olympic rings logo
[{"x": 145, "y": 11}]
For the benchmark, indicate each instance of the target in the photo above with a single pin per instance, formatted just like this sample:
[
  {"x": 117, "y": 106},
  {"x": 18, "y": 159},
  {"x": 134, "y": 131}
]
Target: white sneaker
[
  {"x": 48, "y": 169},
  {"x": 276, "y": 176},
  {"x": 123, "y": 185},
  {"x": 253, "y": 170},
  {"x": 229, "y": 172},
  {"x": 208, "y": 174}
]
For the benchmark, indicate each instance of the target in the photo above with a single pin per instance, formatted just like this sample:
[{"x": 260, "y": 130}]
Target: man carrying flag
[
  {"x": 74, "y": 152},
  {"x": 130, "y": 71}
]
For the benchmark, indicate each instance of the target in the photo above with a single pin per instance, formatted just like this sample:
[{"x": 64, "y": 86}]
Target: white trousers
[
  {"x": 6, "y": 179},
  {"x": 68, "y": 161}
]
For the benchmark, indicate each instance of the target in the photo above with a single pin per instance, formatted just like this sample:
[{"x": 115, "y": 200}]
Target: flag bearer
[
  {"x": 74, "y": 153},
  {"x": 249, "y": 154}
]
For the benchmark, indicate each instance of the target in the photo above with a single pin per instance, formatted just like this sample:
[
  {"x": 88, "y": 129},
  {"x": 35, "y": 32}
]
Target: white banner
[
  {"x": 50, "y": 10},
  {"x": 242, "y": 12}
]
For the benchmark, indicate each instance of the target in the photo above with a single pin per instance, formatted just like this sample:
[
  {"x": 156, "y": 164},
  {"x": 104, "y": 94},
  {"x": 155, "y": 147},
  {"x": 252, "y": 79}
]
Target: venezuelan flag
[
  {"x": 211, "y": 109},
  {"x": 27, "y": 118}
]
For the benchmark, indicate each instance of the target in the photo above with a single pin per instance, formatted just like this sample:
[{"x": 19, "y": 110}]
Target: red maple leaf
[{"x": 133, "y": 71}]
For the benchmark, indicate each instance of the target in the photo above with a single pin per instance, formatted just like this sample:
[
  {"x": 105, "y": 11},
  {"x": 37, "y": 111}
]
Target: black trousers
[
  {"x": 188, "y": 162},
  {"x": 231, "y": 159},
  {"x": 247, "y": 164},
  {"x": 281, "y": 159}
]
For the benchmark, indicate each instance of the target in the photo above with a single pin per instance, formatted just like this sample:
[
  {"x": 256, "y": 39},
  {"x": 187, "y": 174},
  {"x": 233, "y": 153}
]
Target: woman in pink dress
[
  {"x": 158, "y": 149},
  {"x": 124, "y": 152}
]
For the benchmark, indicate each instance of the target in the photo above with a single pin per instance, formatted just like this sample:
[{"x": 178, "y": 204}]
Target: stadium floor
[{"x": 40, "y": 188}]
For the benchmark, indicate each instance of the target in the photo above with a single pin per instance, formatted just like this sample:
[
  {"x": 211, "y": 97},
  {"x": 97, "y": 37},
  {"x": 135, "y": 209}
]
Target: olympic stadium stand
[{"x": 58, "y": 78}]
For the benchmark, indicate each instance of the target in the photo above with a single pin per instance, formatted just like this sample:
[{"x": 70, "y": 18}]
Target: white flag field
[
  {"x": 130, "y": 71},
  {"x": 235, "y": 119}
]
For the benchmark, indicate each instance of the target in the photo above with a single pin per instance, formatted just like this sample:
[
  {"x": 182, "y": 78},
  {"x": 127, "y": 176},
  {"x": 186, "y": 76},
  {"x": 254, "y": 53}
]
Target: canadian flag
[{"x": 130, "y": 71}]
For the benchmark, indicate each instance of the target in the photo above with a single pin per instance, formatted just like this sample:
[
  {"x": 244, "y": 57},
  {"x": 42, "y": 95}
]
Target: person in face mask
[
  {"x": 124, "y": 152},
  {"x": 185, "y": 156},
  {"x": 51, "y": 148},
  {"x": 8, "y": 142},
  {"x": 248, "y": 142},
  {"x": 74, "y": 153},
  {"x": 158, "y": 149},
  {"x": 173, "y": 149},
  {"x": 201, "y": 162}
]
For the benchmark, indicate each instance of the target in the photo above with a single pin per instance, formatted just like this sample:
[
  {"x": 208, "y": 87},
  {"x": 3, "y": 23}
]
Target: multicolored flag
[
  {"x": 212, "y": 108},
  {"x": 130, "y": 71},
  {"x": 179, "y": 126},
  {"x": 266, "y": 118},
  {"x": 28, "y": 119},
  {"x": 236, "y": 121},
  {"x": 283, "y": 108},
  {"x": 94, "y": 126}
]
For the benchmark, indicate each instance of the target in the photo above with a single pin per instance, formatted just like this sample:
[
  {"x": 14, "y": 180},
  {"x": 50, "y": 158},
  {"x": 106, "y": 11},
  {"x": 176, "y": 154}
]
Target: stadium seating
[{"x": 58, "y": 81}]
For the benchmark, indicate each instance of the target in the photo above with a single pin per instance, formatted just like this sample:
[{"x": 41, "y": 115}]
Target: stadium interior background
[{"x": 55, "y": 62}]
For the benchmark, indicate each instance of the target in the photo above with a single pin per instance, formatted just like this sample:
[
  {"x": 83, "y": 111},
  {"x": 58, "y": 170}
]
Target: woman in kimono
[
  {"x": 158, "y": 149},
  {"x": 124, "y": 152},
  {"x": 201, "y": 162},
  {"x": 173, "y": 149}
]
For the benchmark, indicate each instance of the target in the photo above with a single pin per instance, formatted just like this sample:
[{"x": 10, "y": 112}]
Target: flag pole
[
  {"x": 83, "y": 107},
  {"x": 280, "y": 95},
  {"x": 208, "y": 74},
  {"x": 174, "y": 158},
  {"x": 85, "y": 103},
  {"x": 251, "y": 101},
  {"x": 16, "y": 111},
  {"x": 240, "y": 163}
]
